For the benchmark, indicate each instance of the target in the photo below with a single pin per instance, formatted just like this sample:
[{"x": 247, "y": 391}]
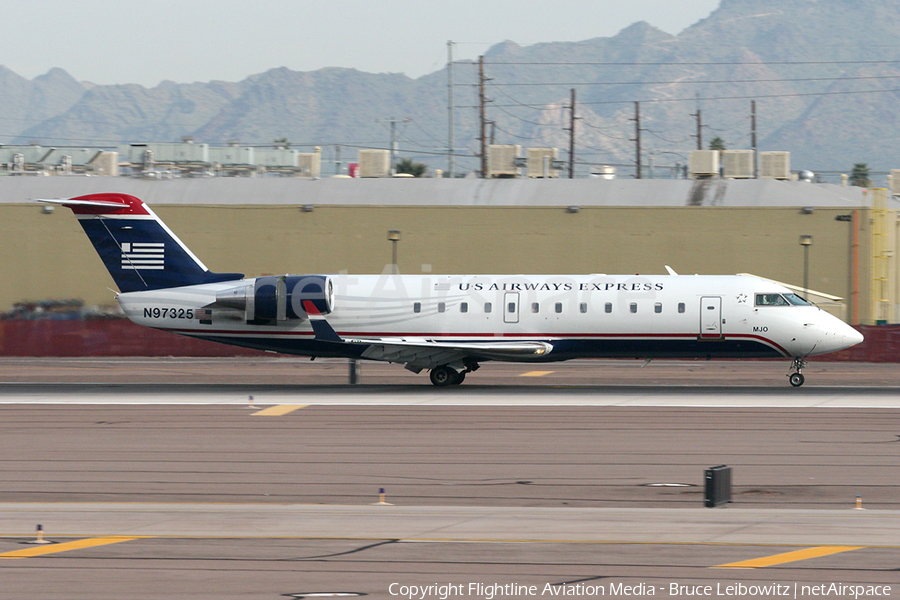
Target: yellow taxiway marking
[
  {"x": 535, "y": 373},
  {"x": 278, "y": 410},
  {"x": 67, "y": 546},
  {"x": 786, "y": 557}
]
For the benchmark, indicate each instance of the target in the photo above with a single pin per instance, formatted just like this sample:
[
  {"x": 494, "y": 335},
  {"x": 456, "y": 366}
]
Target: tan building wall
[{"x": 47, "y": 256}]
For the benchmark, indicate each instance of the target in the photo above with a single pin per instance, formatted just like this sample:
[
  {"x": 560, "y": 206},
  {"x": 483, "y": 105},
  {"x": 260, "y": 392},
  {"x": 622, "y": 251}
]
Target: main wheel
[
  {"x": 443, "y": 376},
  {"x": 797, "y": 379}
]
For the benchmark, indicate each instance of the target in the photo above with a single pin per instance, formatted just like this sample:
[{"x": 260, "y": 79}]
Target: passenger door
[{"x": 710, "y": 317}]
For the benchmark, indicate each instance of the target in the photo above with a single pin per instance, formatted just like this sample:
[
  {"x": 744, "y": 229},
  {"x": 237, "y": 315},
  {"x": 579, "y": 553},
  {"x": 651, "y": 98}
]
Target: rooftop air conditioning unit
[
  {"x": 704, "y": 164},
  {"x": 737, "y": 164},
  {"x": 775, "y": 165},
  {"x": 374, "y": 163},
  {"x": 895, "y": 182},
  {"x": 604, "y": 172},
  {"x": 309, "y": 163},
  {"x": 502, "y": 160},
  {"x": 540, "y": 162},
  {"x": 105, "y": 163}
]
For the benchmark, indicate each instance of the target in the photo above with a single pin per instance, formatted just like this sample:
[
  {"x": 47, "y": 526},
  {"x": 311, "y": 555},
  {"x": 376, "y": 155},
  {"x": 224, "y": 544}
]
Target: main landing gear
[
  {"x": 795, "y": 376},
  {"x": 445, "y": 375}
]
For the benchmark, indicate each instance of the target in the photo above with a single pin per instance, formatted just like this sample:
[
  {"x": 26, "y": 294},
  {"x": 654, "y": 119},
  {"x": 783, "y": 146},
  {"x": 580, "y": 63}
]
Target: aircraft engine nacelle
[{"x": 280, "y": 298}]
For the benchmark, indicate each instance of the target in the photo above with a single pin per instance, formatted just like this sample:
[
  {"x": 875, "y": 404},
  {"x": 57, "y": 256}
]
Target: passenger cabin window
[
  {"x": 558, "y": 307},
  {"x": 657, "y": 308},
  {"x": 633, "y": 307},
  {"x": 511, "y": 307},
  {"x": 417, "y": 307},
  {"x": 583, "y": 307},
  {"x": 442, "y": 306},
  {"x": 608, "y": 307},
  {"x": 487, "y": 307},
  {"x": 681, "y": 307},
  {"x": 463, "y": 307},
  {"x": 535, "y": 307}
]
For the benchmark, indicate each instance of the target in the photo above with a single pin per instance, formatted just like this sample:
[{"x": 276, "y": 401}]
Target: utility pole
[
  {"x": 753, "y": 138},
  {"x": 450, "y": 164},
  {"x": 699, "y": 135},
  {"x": 572, "y": 138},
  {"x": 481, "y": 102},
  {"x": 637, "y": 138},
  {"x": 393, "y": 150}
]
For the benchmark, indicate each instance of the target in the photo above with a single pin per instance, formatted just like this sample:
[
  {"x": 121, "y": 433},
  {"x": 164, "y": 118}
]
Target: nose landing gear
[{"x": 795, "y": 376}]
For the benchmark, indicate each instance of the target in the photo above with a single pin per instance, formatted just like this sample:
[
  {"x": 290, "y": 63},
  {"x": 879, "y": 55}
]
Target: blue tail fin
[{"x": 139, "y": 251}]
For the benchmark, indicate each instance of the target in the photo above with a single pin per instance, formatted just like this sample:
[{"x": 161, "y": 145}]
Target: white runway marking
[
  {"x": 264, "y": 396},
  {"x": 458, "y": 523}
]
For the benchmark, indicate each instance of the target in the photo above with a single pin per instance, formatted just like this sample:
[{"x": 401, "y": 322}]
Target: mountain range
[{"x": 824, "y": 74}]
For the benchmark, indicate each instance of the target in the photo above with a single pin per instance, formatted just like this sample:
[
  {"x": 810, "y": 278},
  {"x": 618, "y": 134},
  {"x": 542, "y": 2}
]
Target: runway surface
[{"x": 157, "y": 479}]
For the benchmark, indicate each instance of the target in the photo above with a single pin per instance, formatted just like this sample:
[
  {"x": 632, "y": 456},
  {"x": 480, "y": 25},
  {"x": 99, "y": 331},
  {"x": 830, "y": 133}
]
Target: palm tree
[
  {"x": 860, "y": 175},
  {"x": 415, "y": 169}
]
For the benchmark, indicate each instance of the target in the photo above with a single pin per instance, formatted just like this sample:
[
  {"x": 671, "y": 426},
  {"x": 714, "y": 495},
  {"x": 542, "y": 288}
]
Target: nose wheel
[{"x": 796, "y": 377}]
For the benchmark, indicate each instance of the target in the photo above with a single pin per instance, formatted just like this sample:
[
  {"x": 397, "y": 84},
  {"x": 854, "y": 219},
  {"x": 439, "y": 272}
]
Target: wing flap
[{"x": 429, "y": 354}]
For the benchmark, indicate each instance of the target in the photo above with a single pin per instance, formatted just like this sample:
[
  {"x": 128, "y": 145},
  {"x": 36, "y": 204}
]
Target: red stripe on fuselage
[{"x": 463, "y": 337}]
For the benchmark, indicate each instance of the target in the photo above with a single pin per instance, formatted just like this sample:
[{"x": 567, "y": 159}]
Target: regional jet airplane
[{"x": 449, "y": 324}]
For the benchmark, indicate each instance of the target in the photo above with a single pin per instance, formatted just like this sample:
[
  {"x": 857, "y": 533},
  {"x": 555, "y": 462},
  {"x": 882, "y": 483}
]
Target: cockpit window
[
  {"x": 771, "y": 300},
  {"x": 797, "y": 300},
  {"x": 781, "y": 300}
]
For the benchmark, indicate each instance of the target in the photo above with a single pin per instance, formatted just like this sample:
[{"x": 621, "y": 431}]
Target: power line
[
  {"x": 657, "y": 135},
  {"x": 698, "y": 81},
  {"x": 750, "y": 97},
  {"x": 695, "y": 63},
  {"x": 518, "y": 118}
]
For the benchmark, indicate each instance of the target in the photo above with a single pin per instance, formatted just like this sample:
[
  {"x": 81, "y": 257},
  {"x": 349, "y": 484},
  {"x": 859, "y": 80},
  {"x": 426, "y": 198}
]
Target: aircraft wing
[
  {"x": 428, "y": 354},
  {"x": 424, "y": 353}
]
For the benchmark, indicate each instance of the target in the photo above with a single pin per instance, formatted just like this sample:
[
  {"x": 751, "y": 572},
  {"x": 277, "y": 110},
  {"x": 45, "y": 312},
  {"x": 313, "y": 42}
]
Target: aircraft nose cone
[
  {"x": 838, "y": 337},
  {"x": 853, "y": 337}
]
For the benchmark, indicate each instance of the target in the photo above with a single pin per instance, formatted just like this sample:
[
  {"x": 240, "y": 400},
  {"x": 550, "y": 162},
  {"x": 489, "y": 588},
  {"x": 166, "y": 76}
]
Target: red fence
[
  {"x": 120, "y": 337},
  {"x": 102, "y": 337},
  {"x": 882, "y": 345}
]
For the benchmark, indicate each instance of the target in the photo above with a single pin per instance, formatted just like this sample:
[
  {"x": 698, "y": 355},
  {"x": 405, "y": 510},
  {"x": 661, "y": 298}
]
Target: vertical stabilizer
[{"x": 139, "y": 251}]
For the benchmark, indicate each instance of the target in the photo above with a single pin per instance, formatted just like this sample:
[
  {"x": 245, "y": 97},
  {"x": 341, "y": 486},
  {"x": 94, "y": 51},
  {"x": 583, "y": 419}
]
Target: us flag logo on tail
[{"x": 144, "y": 255}]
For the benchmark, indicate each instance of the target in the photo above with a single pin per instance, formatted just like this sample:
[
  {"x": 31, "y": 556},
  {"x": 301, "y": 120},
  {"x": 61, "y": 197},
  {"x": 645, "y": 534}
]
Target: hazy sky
[{"x": 147, "y": 41}]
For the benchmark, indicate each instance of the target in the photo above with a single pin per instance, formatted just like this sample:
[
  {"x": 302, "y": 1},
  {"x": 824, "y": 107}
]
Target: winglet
[{"x": 323, "y": 330}]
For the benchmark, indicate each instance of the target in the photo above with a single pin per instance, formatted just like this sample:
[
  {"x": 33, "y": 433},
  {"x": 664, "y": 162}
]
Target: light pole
[
  {"x": 393, "y": 236},
  {"x": 806, "y": 242}
]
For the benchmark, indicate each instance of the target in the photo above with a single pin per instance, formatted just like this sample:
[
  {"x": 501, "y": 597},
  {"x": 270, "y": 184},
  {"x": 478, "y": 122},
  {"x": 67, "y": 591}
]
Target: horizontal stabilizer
[{"x": 71, "y": 202}]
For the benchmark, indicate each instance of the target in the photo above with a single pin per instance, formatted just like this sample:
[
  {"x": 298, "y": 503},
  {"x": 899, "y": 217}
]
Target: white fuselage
[{"x": 652, "y": 316}]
